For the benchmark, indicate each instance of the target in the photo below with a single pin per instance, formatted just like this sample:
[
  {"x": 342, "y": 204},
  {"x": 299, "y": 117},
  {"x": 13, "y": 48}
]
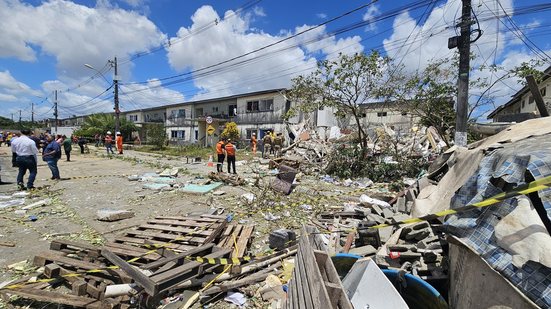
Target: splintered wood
[
  {"x": 153, "y": 257},
  {"x": 315, "y": 282}
]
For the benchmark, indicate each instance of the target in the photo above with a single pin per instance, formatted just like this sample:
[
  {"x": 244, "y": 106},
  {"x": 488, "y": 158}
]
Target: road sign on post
[
  {"x": 210, "y": 130},
  {"x": 208, "y": 119}
]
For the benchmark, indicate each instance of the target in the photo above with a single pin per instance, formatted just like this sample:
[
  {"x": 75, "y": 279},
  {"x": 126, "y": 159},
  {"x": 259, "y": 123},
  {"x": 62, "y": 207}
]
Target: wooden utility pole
[
  {"x": 116, "y": 96},
  {"x": 464, "y": 45},
  {"x": 55, "y": 111}
]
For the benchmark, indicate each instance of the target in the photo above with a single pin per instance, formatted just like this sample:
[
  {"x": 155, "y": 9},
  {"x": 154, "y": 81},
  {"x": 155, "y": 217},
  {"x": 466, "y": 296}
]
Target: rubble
[{"x": 114, "y": 215}]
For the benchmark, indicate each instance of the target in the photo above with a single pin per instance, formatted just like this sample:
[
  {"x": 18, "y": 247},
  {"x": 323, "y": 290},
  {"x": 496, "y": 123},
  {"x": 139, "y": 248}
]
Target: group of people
[
  {"x": 26, "y": 147},
  {"x": 225, "y": 150},
  {"x": 272, "y": 144},
  {"x": 108, "y": 142},
  {"x": 25, "y": 150}
]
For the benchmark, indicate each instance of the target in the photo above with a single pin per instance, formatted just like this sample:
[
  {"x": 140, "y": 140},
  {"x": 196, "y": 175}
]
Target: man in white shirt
[{"x": 26, "y": 152}]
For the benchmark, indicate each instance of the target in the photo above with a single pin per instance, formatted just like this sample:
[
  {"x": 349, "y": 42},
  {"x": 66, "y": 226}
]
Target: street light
[{"x": 116, "y": 85}]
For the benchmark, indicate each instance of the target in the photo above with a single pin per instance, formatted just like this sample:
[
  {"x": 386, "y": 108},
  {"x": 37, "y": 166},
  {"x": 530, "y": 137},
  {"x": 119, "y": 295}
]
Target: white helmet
[{"x": 109, "y": 132}]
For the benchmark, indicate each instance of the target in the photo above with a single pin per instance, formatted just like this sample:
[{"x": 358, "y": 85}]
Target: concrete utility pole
[
  {"x": 55, "y": 110},
  {"x": 116, "y": 96},
  {"x": 20, "y": 118},
  {"x": 464, "y": 45},
  {"x": 537, "y": 95},
  {"x": 32, "y": 112}
]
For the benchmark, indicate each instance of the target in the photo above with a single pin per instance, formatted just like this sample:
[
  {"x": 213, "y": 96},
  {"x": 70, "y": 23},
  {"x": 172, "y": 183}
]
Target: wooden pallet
[
  {"x": 177, "y": 233},
  {"x": 315, "y": 282},
  {"x": 237, "y": 234}
]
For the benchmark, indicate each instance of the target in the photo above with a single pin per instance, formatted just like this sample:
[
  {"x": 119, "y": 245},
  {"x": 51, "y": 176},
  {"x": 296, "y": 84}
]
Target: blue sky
[{"x": 164, "y": 46}]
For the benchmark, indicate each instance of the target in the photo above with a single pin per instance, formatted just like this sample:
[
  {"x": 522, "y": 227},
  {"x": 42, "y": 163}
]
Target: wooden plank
[
  {"x": 216, "y": 232},
  {"x": 133, "y": 251},
  {"x": 60, "y": 244},
  {"x": 228, "y": 243},
  {"x": 174, "y": 238},
  {"x": 192, "y": 219},
  {"x": 349, "y": 241},
  {"x": 182, "y": 270},
  {"x": 243, "y": 240},
  {"x": 42, "y": 258},
  {"x": 141, "y": 279},
  {"x": 185, "y": 231},
  {"x": 161, "y": 244},
  {"x": 55, "y": 297},
  {"x": 304, "y": 285},
  {"x": 187, "y": 223},
  {"x": 319, "y": 293},
  {"x": 333, "y": 277},
  {"x": 79, "y": 287},
  {"x": 181, "y": 256}
]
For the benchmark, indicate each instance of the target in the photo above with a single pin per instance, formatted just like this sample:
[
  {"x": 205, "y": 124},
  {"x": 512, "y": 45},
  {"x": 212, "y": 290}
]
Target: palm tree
[{"x": 101, "y": 123}]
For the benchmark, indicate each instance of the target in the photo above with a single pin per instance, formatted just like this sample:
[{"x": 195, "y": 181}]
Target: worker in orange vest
[
  {"x": 230, "y": 152},
  {"x": 253, "y": 143},
  {"x": 220, "y": 151},
  {"x": 118, "y": 141}
]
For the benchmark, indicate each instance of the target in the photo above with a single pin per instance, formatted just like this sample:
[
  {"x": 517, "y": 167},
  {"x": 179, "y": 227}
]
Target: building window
[
  {"x": 530, "y": 99},
  {"x": 543, "y": 91},
  {"x": 232, "y": 109},
  {"x": 381, "y": 114},
  {"x": 181, "y": 113},
  {"x": 260, "y": 105},
  {"x": 250, "y": 133},
  {"x": 133, "y": 118},
  {"x": 196, "y": 135},
  {"x": 215, "y": 109},
  {"x": 523, "y": 104},
  {"x": 178, "y": 134}
]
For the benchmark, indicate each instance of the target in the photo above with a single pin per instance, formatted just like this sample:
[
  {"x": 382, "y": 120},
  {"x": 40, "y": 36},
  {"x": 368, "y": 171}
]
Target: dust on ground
[{"x": 75, "y": 202}]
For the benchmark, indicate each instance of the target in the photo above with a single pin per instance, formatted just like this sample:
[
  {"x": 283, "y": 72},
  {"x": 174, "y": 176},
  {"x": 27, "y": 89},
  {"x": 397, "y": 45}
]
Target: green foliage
[
  {"x": 101, "y": 123},
  {"x": 183, "y": 150},
  {"x": 351, "y": 162},
  {"x": 155, "y": 135},
  {"x": 230, "y": 131},
  {"x": 343, "y": 84}
]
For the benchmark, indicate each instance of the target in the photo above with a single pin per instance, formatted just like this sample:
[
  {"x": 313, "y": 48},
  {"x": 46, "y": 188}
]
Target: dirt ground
[{"x": 75, "y": 202}]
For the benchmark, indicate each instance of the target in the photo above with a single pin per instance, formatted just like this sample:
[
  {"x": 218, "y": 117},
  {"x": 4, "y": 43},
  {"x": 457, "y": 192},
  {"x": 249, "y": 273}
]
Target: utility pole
[
  {"x": 11, "y": 117},
  {"x": 463, "y": 43},
  {"x": 55, "y": 111},
  {"x": 116, "y": 96},
  {"x": 32, "y": 112}
]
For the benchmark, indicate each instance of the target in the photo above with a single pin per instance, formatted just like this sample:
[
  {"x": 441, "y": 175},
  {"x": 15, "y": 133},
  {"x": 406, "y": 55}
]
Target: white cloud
[
  {"x": 369, "y": 16},
  {"x": 135, "y": 3},
  {"x": 10, "y": 85},
  {"x": 73, "y": 34},
  {"x": 259, "y": 11},
  {"x": 233, "y": 37},
  {"x": 8, "y": 97},
  {"x": 428, "y": 41},
  {"x": 321, "y": 15}
]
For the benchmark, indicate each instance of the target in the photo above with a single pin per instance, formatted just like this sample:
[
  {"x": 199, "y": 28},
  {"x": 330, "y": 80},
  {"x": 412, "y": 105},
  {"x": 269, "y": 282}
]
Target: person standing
[
  {"x": 278, "y": 144},
  {"x": 97, "y": 138},
  {"x": 230, "y": 152},
  {"x": 267, "y": 142},
  {"x": 13, "y": 138},
  {"x": 26, "y": 157},
  {"x": 109, "y": 143},
  {"x": 51, "y": 155},
  {"x": 221, "y": 155},
  {"x": 81, "y": 143},
  {"x": 67, "y": 147},
  {"x": 253, "y": 143},
  {"x": 1, "y": 138},
  {"x": 118, "y": 140},
  {"x": 8, "y": 139}
]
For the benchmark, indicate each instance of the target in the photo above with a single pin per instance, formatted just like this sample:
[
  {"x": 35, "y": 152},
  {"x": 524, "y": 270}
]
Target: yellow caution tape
[{"x": 531, "y": 187}]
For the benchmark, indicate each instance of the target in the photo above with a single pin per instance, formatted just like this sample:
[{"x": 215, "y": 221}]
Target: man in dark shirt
[{"x": 51, "y": 155}]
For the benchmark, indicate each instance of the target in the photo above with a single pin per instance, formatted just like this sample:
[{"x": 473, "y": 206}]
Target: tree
[
  {"x": 101, "y": 123},
  {"x": 155, "y": 135},
  {"x": 230, "y": 131},
  {"x": 344, "y": 84},
  {"x": 429, "y": 96}
]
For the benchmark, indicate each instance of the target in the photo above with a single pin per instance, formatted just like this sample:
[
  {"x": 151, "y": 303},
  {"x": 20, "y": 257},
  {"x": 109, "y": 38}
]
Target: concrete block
[
  {"x": 114, "y": 215},
  {"x": 401, "y": 204},
  {"x": 363, "y": 251},
  {"x": 387, "y": 213}
]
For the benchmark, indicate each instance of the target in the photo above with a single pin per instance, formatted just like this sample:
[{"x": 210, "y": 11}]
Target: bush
[
  {"x": 230, "y": 131},
  {"x": 155, "y": 135},
  {"x": 351, "y": 162}
]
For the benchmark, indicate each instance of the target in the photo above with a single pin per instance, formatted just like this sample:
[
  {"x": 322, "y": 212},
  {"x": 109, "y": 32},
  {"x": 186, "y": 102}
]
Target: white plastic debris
[{"x": 366, "y": 201}]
